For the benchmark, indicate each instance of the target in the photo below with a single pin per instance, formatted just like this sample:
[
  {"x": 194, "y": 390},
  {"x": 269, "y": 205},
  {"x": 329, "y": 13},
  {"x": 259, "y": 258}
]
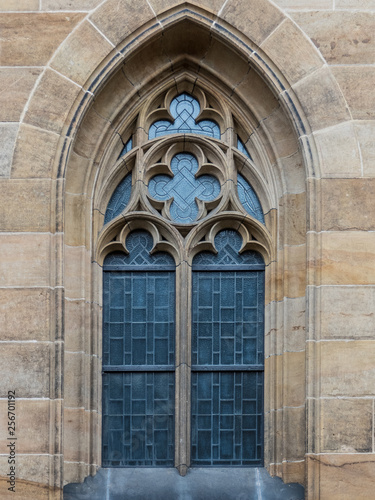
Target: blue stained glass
[
  {"x": 128, "y": 146},
  {"x": 249, "y": 199},
  {"x": 119, "y": 199},
  {"x": 138, "y": 356},
  {"x": 139, "y": 243},
  {"x": 241, "y": 147},
  {"x": 228, "y": 243},
  {"x": 184, "y": 109},
  {"x": 227, "y": 355},
  {"x": 184, "y": 188}
]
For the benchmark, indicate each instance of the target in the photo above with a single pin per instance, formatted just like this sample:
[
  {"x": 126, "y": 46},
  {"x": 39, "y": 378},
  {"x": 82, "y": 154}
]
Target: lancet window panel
[{"x": 138, "y": 356}]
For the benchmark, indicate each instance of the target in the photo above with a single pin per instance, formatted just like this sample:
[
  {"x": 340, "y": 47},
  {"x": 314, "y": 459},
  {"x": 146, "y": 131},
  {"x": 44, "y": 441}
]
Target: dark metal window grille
[
  {"x": 227, "y": 355},
  {"x": 138, "y": 356}
]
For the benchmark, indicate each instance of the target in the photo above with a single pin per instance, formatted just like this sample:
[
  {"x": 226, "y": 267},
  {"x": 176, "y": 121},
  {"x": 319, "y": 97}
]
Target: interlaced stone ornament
[{"x": 184, "y": 188}]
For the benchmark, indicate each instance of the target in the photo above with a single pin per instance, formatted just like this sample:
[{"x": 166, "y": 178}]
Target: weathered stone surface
[
  {"x": 77, "y": 426},
  {"x": 292, "y": 384},
  {"x": 25, "y": 313},
  {"x": 29, "y": 467},
  {"x": 292, "y": 52},
  {"x": 347, "y": 258},
  {"x": 292, "y": 219},
  {"x": 338, "y": 151},
  {"x": 293, "y": 172},
  {"x": 145, "y": 64},
  {"x": 24, "y": 370},
  {"x": 347, "y": 312},
  {"x": 294, "y": 421},
  {"x": 219, "y": 58},
  {"x": 69, "y": 4},
  {"x": 348, "y": 204},
  {"x": 117, "y": 19},
  {"x": 76, "y": 207},
  {"x": 256, "y": 19},
  {"x": 322, "y": 100},
  {"x": 347, "y": 368},
  {"x": 84, "y": 50},
  {"x": 90, "y": 135},
  {"x": 365, "y": 131},
  {"x": 46, "y": 31},
  {"x": 341, "y": 476},
  {"x": 355, "y": 4},
  {"x": 346, "y": 426},
  {"x": 46, "y": 111},
  {"x": 76, "y": 324},
  {"x": 342, "y": 37},
  {"x": 254, "y": 91},
  {"x": 285, "y": 326},
  {"x": 34, "y": 153},
  {"x": 304, "y": 4},
  {"x": 16, "y": 85},
  {"x": 108, "y": 102},
  {"x": 25, "y": 260},
  {"x": 17, "y": 5},
  {"x": 77, "y": 259},
  {"x": 281, "y": 134},
  {"x": 355, "y": 83},
  {"x": 160, "y": 6},
  {"x": 25, "y": 205},
  {"x": 74, "y": 378},
  {"x": 8, "y": 134},
  {"x": 32, "y": 425}
]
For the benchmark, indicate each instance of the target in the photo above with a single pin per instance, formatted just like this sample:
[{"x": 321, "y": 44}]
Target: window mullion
[{"x": 183, "y": 370}]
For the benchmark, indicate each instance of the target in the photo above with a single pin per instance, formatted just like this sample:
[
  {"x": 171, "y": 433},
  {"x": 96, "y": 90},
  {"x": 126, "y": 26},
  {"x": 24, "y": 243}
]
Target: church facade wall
[{"x": 298, "y": 77}]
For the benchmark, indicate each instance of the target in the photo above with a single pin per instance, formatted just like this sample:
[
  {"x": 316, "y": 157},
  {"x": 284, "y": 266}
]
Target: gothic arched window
[{"x": 184, "y": 261}]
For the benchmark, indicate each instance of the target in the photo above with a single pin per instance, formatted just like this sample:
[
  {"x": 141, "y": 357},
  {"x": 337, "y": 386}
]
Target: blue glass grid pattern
[
  {"x": 139, "y": 318},
  {"x": 184, "y": 188},
  {"x": 227, "y": 355},
  {"x": 184, "y": 109},
  {"x": 139, "y": 243},
  {"x": 241, "y": 147},
  {"x": 138, "y": 356},
  {"x": 249, "y": 199},
  {"x": 138, "y": 419},
  {"x": 227, "y": 418},
  {"x": 228, "y": 318},
  {"x": 119, "y": 199},
  {"x": 228, "y": 243}
]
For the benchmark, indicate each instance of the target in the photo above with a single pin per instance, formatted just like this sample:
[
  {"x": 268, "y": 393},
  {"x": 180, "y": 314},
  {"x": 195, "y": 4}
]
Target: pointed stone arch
[{"x": 277, "y": 105}]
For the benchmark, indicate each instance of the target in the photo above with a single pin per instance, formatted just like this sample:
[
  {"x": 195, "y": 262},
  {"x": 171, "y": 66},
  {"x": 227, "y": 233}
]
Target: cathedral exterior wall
[{"x": 71, "y": 73}]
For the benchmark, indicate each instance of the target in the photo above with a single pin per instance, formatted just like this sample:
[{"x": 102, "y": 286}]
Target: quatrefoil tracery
[{"x": 183, "y": 192}]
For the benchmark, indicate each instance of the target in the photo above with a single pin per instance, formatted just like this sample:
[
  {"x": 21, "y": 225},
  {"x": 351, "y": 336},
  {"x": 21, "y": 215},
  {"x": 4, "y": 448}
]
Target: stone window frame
[{"x": 220, "y": 158}]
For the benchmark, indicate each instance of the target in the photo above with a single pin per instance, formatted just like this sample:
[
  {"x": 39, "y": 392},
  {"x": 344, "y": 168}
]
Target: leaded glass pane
[
  {"x": 227, "y": 324},
  {"x": 128, "y": 146},
  {"x": 228, "y": 243},
  {"x": 184, "y": 188},
  {"x": 139, "y": 318},
  {"x": 241, "y": 147},
  {"x": 119, "y": 199},
  {"x": 138, "y": 419},
  {"x": 227, "y": 411},
  {"x": 138, "y": 356},
  {"x": 184, "y": 109},
  {"x": 139, "y": 244},
  {"x": 249, "y": 199},
  {"x": 227, "y": 355}
]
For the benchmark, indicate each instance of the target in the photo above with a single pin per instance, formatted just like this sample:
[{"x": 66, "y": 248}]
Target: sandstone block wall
[{"x": 320, "y": 335}]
